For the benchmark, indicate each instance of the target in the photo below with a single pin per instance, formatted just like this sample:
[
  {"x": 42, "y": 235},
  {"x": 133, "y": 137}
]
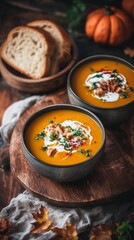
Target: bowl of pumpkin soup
[
  {"x": 63, "y": 142},
  {"x": 104, "y": 85}
]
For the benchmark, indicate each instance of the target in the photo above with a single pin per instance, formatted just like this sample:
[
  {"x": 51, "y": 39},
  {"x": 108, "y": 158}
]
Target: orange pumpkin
[
  {"x": 128, "y": 6},
  {"x": 108, "y": 25}
]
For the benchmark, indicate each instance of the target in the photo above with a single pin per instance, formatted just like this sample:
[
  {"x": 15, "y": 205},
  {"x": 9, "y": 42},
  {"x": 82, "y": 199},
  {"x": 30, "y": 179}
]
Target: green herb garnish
[
  {"x": 40, "y": 135},
  {"x": 118, "y": 80},
  {"x": 66, "y": 145},
  {"x": 53, "y": 136},
  {"x": 123, "y": 95},
  {"x": 80, "y": 150},
  {"x": 94, "y": 85},
  {"x": 84, "y": 138},
  {"x": 71, "y": 129},
  {"x": 77, "y": 133},
  {"x": 58, "y": 124},
  {"x": 131, "y": 89},
  {"x": 51, "y": 121},
  {"x": 97, "y": 75},
  {"x": 44, "y": 148},
  {"x": 114, "y": 71},
  {"x": 87, "y": 153}
]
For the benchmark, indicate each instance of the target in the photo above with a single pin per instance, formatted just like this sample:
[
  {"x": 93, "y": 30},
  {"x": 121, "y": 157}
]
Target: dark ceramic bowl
[
  {"x": 45, "y": 85},
  {"x": 69, "y": 172},
  {"x": 108, "y": 116}
]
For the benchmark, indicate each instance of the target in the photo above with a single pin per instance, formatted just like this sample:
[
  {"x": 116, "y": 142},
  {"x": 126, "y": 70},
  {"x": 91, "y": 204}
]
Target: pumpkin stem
[{"x": 108, "y": 10}]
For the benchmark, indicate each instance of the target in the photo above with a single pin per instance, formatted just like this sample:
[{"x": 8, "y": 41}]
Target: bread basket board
[{"x": 112, "y": 177}]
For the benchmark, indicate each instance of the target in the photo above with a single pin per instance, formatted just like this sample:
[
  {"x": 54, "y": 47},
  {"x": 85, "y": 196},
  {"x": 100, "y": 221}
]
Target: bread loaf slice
[
  {"x": 63, "y": 41},
  {"x": 28, "y": 51}
]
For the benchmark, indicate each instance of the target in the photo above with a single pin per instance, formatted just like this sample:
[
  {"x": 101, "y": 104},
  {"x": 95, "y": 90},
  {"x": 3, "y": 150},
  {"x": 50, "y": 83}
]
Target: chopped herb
[
  {"x": 53, "y": 136},
  {"x": 94, "y": 85},
  {"x": 91, "y": 68},
  {"x": 51, "y": 121},
  {"x": 70, "y": 128},
  {"x": 123, "y": 95},
  {"x": 103, "y": 100},
  {"x": 40, "y": 135},
  {"x": 114, "y": 71},
  {"x": 58, "y": 124},
  {"x": 77, "y": 133},
  {"x": 131, "y": 89},
  {"x": 66, "y": 145},
  {"x": 118, "y": 80},
  {"x": 65, "y": 139},
  {"x": 80, "y": 150},
  {"x": 44, "y": 148},
  {"x": 87, "y": 153},
  {"x": 97, "y": 75},
  {"x": 84, "y": 138}
]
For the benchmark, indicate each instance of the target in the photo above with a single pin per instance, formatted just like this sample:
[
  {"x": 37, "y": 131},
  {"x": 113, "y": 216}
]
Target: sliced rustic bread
[
  {"x": 63, "y": 41},
  {"x": 28, "y": 51}
]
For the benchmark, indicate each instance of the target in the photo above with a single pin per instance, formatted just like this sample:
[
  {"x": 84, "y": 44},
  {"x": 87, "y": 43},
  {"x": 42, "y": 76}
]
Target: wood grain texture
[
  {"x": 113, "y": 176},
  {"x": 9, "y": 187}
]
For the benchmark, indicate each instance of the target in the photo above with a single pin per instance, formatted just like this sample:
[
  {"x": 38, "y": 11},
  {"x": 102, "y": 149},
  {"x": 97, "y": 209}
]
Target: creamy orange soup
[
  {"x": 104, "y": 83},
  {"x": 63, "y": 137}
]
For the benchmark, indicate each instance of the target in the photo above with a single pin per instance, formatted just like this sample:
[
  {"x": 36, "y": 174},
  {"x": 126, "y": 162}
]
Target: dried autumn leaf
[
  {"x": 42, "y": 221},
  {"x": 5, "y": 228},
  {"x": 101, "y": 232},
  {"x": 68, "y": 233},
  {"x": 129, "y": 51}
]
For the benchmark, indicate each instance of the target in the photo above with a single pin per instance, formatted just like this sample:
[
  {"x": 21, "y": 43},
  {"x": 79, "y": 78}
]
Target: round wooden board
[{"x": 113, "y": 176}]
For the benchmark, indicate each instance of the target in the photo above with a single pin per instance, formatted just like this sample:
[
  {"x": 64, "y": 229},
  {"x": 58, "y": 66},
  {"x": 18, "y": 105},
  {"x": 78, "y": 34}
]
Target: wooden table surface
[{"x": 12, "y": 16}]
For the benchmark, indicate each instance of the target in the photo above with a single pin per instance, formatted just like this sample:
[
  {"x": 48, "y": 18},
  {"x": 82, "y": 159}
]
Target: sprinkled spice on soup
[
  {"x": 63, "y": 137},
  {"x": 104, "y": 83}
]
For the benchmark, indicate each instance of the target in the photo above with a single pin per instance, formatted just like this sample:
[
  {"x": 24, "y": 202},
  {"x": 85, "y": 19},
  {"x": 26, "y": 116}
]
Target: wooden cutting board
[{"x": 113, "y": 176}]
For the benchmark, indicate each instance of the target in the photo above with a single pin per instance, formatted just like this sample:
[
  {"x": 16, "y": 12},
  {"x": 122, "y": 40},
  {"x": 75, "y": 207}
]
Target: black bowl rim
[
  {"x": 95, "y": 57},
  {"x": 56, "y": 107},
  {"x": 44, "y": 79}
]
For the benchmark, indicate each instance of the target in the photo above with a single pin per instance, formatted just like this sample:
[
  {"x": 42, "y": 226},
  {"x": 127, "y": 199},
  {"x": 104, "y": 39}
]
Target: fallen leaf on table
[
  {"x": 129, "y": 51},
  {"x": 121, "y": 231},
  {"x": 101, "y": 232},
  {"x": 42, "y": 221},
  {"x": 5, "y": 228},
  {"x": 68, "y": 233}
]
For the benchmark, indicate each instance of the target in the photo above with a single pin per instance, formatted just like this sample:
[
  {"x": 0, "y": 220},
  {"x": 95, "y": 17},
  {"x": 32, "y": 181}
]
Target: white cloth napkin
[
  {"x": 12, "y": 114},
  {"x": 20, "y": 209}
]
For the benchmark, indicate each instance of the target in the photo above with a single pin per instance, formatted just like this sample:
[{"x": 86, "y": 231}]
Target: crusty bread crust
[
  {"x": 63, "y": 40},
  {"x": 15, "y": 56}
]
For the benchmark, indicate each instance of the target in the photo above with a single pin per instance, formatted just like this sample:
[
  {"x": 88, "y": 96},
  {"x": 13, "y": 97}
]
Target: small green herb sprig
[
  {"x": 86, "y": 153},
  {"x": 74, "y": 15},
  {"x": 53, "y": 136},
  {"x": 125, "y": 231},
  {"x": 123, "y": 94},
  {"x": 40, "y": 135}
]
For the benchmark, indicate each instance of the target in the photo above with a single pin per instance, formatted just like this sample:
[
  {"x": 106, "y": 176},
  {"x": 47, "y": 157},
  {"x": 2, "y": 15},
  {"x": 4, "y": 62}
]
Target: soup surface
[
  {"x": 63, "y": 137},
  {"x": 104, "y": 83}
]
